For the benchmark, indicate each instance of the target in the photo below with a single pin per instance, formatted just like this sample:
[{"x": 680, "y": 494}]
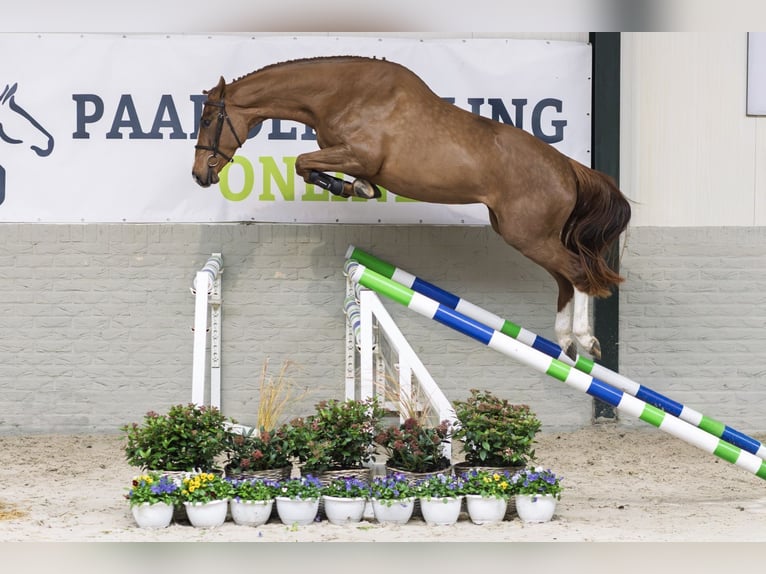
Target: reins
[{"x": 222, "y": 115}]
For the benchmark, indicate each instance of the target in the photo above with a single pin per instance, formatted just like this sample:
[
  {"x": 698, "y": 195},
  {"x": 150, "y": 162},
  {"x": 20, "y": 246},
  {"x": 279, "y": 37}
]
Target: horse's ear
[
  {"x": 218, "y": 90},
  {"x": 8, "y": 92}
]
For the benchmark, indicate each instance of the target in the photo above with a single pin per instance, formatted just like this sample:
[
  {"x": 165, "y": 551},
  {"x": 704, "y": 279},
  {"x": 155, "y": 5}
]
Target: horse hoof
[
  {"x": 571, "y": 351},
  {"x": 365, "y": 189},
  {"x": 595, "y": 349}
]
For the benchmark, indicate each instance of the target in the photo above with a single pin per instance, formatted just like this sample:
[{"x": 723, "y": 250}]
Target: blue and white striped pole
[
  {"x": 551, "y": 349},
  {"x": 566, "y": 373}
]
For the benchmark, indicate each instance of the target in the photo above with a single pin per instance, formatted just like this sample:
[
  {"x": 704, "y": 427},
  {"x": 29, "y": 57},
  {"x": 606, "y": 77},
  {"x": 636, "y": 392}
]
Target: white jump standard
[{"x": 541, "y": 362}]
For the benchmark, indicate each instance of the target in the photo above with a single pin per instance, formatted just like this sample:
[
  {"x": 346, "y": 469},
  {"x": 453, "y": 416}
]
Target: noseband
[{"x": 212, "y": 161}]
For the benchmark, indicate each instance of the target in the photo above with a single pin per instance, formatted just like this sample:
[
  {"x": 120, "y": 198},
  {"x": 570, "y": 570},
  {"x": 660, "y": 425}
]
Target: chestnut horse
[{"x": 379, "y": 123}]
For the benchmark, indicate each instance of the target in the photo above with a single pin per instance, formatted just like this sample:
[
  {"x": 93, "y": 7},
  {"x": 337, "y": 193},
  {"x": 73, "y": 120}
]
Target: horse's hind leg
[
  {"x": 564, "y": 314},
  {"x": 581, "y": 324},
  {"x": 573, "y": 320}
]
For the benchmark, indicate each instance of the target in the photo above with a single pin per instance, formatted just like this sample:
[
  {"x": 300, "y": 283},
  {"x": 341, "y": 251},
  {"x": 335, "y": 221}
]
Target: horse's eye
[{"x": 206, "y": 123}]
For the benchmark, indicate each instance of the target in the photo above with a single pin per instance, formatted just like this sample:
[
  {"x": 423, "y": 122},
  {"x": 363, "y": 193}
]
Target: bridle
[{"x": 212, "y": 160}]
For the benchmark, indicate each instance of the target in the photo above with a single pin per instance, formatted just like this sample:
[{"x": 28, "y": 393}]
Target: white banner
[{"x": 101, "y": 128}]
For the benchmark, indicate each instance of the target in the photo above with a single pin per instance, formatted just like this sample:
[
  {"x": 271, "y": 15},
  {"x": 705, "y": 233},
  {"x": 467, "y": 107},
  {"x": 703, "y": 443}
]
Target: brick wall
[
  {"x": 95, "y": 320},
  {"x": 693, "y": 312}
]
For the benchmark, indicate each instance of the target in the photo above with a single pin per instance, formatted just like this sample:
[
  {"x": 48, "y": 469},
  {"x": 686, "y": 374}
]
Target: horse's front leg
[{"x": 311, "y": 167}]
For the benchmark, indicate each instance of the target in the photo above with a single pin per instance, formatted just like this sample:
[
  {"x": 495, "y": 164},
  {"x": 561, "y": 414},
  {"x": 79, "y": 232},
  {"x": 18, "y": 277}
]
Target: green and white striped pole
[
  {"x": 551, "y": 349},
  {"x": 541, "y": 362}
]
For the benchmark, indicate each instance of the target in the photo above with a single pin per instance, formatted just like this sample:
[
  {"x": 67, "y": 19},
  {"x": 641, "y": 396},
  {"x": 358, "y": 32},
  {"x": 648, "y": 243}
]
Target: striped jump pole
[
  {"x": 541, "y": 362},
  {"x": 553, "y": 350}
]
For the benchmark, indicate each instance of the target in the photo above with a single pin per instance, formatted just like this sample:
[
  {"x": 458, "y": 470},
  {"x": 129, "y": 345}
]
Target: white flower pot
[
  {"x": 297, "y": 510},
  {"x": 535, "y": 507},
  {"x": 485, "y": 509},
  {"x": 343, "y": 510},
  {"x": 207, "y": 514},
  {"x": 441, "y": 511},
  {"x": 393, "y": 511},
  {"x": 251, "y": 512},
  {"x": 157, "y": 515}
]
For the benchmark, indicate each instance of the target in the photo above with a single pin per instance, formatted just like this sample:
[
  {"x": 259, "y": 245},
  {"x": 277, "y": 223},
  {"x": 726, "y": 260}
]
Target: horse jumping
[{"x": 379, "y": 123}]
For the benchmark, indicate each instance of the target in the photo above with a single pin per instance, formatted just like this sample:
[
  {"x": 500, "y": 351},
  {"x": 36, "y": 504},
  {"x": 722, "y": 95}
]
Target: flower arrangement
[
  {"x": 537, "y": 481},
  {"x": 414, "y": 447},
  {"x": 339, "y": 435},
  {"x": 487, "y": 483},
  {"x": 186, "y": 438},
  {"x": 253, "y": 488},
  {"x": 391, "y": 488},
  {"x": 439, "y": 485},
  {"x": 152, "y": 488},
  {"x": 495, "y": 432},
  {"x": 205, "y": 487},
  {"x": 347, "y": 487},
  {"x": 254, "y": 451},
  {"x": 305, "y": 488}
]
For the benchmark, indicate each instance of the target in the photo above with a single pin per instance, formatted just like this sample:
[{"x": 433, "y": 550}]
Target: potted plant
[
  {"x": 414, "y": 448},
  {"x": 344, "y": 499},
  {"x": 536, "y": 493},
  {"x": 494, "y": 432},
  {"x": 338, "y": 439},
  {"x": 206, "y": 498},
  {"x": 259, "y": 453},
  {"x": 298, "y": 500},
  {"x": 486, "y": 495},
  {"x": 393, "y": 498},
  {"x": 252, "y": 500},
  {"x": 440, "y": 496},
  {"x": 187, "y": 438},
  {"x": 152, "y": 497}
]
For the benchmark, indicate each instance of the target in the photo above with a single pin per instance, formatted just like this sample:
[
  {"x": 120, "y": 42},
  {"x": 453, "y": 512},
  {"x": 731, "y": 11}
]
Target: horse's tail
[{"x": 600, "y": 215}]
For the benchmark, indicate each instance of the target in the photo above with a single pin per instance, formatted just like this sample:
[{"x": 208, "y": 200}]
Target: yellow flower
[
  {"x": 496, "y": 477},
  {"x": 504, "y": 485}
]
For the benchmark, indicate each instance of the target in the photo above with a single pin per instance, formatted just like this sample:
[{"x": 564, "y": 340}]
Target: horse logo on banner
[{"x": 17, "y": 126}]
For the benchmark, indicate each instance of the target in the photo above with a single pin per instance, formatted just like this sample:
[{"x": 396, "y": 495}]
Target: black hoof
[{"x": 571, "y": 351}]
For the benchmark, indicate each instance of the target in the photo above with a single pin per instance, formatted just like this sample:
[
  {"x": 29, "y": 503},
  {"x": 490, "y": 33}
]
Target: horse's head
[
  {"x": 221, "y": 132},
  {"x": 20, "y": 126}
]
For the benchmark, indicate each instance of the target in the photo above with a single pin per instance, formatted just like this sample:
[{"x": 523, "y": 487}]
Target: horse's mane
[{"x": 302, "y": 61}]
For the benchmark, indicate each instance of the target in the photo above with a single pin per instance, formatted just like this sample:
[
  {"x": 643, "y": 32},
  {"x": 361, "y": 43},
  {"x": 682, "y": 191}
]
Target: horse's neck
[{"x": 280, "y": 92}]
